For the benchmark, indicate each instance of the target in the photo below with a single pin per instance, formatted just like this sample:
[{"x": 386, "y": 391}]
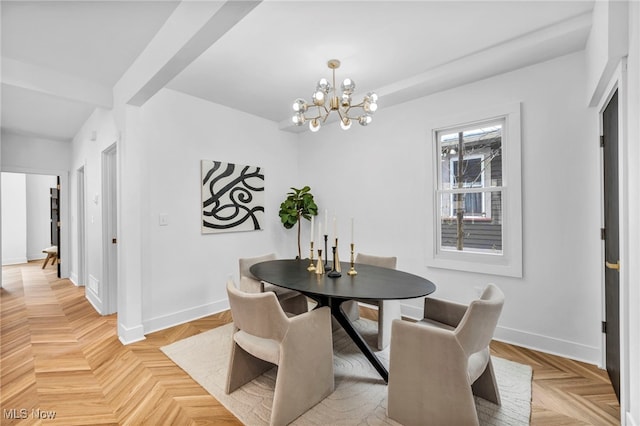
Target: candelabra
[
  {"x": 311, "y": 267},
  {"x": 335, "y": 270},
  {"x": 320, "y": 265},
  {"x": 352, "y": 270},
  {"x": 326, "y": 260}
]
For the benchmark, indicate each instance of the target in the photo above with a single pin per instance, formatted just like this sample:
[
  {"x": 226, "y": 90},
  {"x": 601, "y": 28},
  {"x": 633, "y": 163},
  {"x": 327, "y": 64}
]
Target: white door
[{"x": 109, "y": 215}]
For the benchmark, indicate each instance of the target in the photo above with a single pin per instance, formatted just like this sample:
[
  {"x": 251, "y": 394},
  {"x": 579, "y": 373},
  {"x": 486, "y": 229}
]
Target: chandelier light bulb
[
  {"x": 300, "y": 105},
  {"x": 318, "y": 97},
  {"x": 370, "y": 107},
  {"x": 314, "y": 125},
  {"x": 345, "y": 123},
  {"x": 348, "y": 86},
  {"x": 298, "y": 119},
  {"x": 323, "y": 85},
  {"x": 346, "y": 99},
  {"x": 364, "y": 120}
]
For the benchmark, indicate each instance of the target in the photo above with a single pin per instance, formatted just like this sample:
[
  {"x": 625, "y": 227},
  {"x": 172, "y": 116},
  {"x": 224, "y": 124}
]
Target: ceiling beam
[
  {"x": 547, "y": 43},
  {"x": 190, "y": 30},
  {"x": 53, "y": 83}
]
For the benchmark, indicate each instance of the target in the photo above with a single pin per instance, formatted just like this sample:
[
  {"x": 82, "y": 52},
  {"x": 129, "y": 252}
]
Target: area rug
[{"x": 360, "y": 396}]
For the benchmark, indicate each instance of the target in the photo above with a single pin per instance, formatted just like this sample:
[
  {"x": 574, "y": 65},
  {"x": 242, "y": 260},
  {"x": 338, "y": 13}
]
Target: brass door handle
[{"x": 614, "y": 266}]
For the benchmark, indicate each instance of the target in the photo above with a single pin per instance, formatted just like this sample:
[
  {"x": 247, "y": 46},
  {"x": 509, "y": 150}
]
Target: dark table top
[{"x": 372, "y": 282}]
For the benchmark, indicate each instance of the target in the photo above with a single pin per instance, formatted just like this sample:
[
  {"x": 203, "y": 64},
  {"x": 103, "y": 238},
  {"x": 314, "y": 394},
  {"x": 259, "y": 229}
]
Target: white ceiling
[{"x": 275, "y": 54}]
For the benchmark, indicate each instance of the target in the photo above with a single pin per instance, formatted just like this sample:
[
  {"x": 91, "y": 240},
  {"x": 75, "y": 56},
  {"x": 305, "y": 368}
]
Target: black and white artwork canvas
[{"x": 232, "y": 197}]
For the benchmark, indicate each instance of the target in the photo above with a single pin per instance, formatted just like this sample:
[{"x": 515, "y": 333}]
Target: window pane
[
  {"x": 478, "y": 228},
  {"x": 480, "y": 152}
]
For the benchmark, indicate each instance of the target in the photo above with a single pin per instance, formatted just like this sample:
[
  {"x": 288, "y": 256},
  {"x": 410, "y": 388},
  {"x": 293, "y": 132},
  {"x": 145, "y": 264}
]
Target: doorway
[
  {"x": 109, "y": 229},
  {"x": 611, "y": 236}
]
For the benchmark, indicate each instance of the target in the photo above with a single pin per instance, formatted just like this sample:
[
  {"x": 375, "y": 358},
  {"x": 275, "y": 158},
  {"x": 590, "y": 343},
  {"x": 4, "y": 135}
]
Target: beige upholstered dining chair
[
  {"x": 290, "y": 300},
  {"x": 388, "y": 310},
  {"x": 437, "y": 364},
  {"x": 300, "y": 346}
]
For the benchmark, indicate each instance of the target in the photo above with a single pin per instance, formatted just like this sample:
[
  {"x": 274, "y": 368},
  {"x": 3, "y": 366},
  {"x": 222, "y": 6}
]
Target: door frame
[
  {"x": 65, "y": 208},
  {"x": 618, "y": 82},
  {"x": 81, "y": 222},
  {"x": 109, "y": 229}
]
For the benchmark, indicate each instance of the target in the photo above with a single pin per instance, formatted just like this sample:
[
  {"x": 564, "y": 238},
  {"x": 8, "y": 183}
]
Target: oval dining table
[{"x": 370, "y": 283}]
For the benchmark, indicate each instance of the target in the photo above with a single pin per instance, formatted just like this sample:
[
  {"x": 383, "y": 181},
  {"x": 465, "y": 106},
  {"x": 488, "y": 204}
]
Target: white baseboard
[
  {"x": 130, "y": 335},
  {"x": 550, "y": 345},
  {"x": 630, "y": 421},
  {"x": 186, "y": 315},
  {"x": 412, "y": 312},
  {"x": 14, "y": 261},
  {"x": 73, "y": 277},
  {"x": 94, "y": 300}
]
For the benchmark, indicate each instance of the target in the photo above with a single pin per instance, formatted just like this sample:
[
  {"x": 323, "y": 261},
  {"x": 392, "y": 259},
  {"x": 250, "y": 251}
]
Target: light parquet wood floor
[{"x": 62, "y": 363}]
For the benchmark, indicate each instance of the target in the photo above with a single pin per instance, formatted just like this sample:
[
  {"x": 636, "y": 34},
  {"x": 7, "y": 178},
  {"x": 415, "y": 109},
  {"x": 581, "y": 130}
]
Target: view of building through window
[{"x": 470, "y": 187}]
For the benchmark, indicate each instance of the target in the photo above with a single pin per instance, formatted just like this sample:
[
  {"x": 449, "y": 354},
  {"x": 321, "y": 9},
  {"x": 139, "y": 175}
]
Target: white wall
[
  {"x": 14, "y": 218},
  {"x": 38, "y": 214},
  {"x": 88, "y": 153},
  {"x": 32, "y": 153},
  {"x": 184, "y": 271},
  {"x": 377, "y": 174}
]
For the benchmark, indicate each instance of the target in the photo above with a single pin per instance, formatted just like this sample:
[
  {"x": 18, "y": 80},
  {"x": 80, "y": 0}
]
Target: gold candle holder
[
  {"x": 311, "y": 267},
  {"x": 352, "y": 271},
  {"x": 320, "y": 265}
]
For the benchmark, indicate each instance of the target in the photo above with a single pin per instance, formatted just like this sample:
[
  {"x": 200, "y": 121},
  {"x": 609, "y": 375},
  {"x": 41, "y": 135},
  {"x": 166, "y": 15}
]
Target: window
[
  {"x": 470, "y": 187},
  {"x": 477, "y": 224}
]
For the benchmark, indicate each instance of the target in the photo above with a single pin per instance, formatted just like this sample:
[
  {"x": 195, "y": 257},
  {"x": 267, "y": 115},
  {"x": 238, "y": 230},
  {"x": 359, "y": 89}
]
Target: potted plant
[{"x": 298, "y": 204}]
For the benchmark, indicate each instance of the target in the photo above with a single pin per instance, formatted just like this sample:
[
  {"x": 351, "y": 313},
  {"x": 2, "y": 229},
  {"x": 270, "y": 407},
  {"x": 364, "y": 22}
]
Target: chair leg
[
  {"x": 486, "y": 386},
  {"x": 351, "y": 309},
  {"x": 388, "y": 310},
  {"x": 46, "y": 260},
  {"x": 243, "y": 367}
]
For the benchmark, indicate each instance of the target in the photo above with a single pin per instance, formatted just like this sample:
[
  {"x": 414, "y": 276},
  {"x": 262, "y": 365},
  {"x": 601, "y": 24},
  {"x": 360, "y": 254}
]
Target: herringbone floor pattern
[{"x": 62, "y": 363}]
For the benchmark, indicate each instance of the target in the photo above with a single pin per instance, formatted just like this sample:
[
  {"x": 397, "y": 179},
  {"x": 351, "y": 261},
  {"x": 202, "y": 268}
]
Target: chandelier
[{"x": 325, "y": 99}]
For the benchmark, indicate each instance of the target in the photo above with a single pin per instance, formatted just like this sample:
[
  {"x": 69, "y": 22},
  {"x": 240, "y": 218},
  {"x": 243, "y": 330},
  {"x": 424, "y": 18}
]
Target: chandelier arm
[
  {"x": 347, "y": 110},
  {"x": 312, "y": 118},
  {"x": 360, "y": 105}
]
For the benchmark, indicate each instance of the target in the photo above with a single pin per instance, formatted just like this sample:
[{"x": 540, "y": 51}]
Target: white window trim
[
  {"x": 509, "y": 263},
  {"x": 480, "y": 189}
]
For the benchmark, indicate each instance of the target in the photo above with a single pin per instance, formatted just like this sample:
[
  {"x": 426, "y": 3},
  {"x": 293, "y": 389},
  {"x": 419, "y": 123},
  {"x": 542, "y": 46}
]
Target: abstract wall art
[{"x": 232, "y": 197}]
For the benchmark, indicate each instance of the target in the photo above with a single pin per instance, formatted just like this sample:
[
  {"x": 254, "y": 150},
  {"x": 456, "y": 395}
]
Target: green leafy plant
[{"x": 298, "y": 204}]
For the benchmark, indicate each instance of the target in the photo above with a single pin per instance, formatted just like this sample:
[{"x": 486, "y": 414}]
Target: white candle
[
  {"x": 335, "y": 228},
  {"x": 311, "y": 234},
  {"x": 319, "y": 235},
  {"x": 352, "y": 220},
  {"x": 326, "y": 219}
]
